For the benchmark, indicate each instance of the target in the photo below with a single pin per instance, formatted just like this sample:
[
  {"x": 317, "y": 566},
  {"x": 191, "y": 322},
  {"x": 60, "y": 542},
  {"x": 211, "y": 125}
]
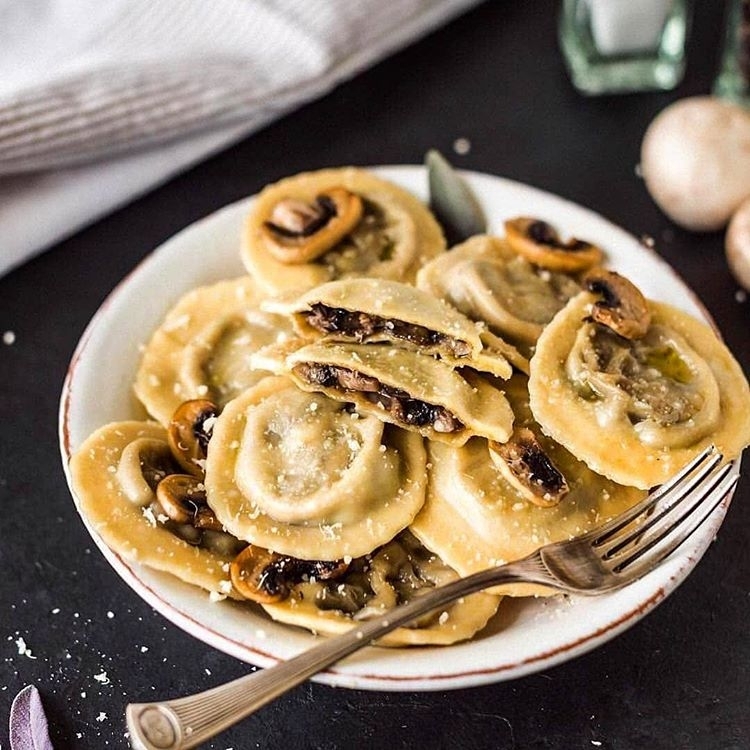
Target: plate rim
[{"x": 137, "y": 578}]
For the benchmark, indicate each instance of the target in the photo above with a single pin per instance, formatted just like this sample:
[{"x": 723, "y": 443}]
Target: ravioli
[
  {"x": 394, "y": 574},
  {"x": 395, "y": 235},
  {"x": 305, "y": 476},
  {"x": 487, "y": 281},
  {"x": 385, "y": 311},
  {"x": 474, "y": 518},
  {"x": 114, "y": 490},
  {"x": 404, "y": 388},
  {"x": 203, "y": 347},
  {"x": 637, "y": 411}
]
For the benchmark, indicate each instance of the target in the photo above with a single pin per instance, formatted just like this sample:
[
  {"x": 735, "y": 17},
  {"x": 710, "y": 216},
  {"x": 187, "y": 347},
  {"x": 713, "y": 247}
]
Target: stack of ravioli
[{"x": 386, "y": 414}]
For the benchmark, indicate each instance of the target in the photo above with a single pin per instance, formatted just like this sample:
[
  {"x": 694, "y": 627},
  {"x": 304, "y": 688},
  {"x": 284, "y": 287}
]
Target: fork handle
[{"x": 186, "y": 722}]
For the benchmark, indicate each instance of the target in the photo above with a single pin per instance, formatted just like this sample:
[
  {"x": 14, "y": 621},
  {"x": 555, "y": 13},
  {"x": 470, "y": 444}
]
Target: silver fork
[{"x": 607, "y": 558}]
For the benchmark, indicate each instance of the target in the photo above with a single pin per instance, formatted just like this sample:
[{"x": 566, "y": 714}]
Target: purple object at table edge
[{"x": 28, "y": 722}]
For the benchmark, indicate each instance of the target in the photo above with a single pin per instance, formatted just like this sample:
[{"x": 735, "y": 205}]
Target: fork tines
[{"x": 675, "y": 510}]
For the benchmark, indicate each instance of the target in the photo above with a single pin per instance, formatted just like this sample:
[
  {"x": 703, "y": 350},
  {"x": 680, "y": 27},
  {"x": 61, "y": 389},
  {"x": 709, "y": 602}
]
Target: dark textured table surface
[{"x": 680, "y": 678}]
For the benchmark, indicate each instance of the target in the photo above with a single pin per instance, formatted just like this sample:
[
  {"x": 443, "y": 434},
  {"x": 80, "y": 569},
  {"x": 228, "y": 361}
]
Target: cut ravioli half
[
  {"x": 393, "y": 574},
  {"x": 303, "y": 475},
  {"x": 385, "y": 311},
  {"x": 411, "y": 390},
  {"x": 638, "y": 410},
  {"x": 393, "y": 237},
  {"x": 474, "y": 518},
  {"x": 487, "y": 281},
  {"x": 203, "y": 347},
  {"x": 113, "y": 475}
]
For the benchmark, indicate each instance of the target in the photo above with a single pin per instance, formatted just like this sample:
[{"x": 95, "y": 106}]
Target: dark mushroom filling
[
  {"x": 649, "y": 370},
  {"x": 398, "y": 403},
  {"x": 387, "y": 577},
  {"x": 361, "y": 326}
]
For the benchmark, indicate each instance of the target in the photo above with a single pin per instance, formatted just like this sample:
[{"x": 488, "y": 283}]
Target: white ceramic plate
[{"x": 527, "y": 634}]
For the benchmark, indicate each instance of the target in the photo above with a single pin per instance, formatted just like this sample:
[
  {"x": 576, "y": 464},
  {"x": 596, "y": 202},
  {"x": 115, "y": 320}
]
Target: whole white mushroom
[
  {"x": 695, "y": 160},
  {"x": 737, "y": 244}
]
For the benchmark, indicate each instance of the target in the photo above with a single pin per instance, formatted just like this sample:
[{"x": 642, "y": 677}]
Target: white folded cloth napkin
[{"x": 100, "y": 101}]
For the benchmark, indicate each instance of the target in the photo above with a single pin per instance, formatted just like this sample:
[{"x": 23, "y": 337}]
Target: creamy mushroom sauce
[
  {"x": 657, "y": 382},
  {"x": 370, "y": 243}
]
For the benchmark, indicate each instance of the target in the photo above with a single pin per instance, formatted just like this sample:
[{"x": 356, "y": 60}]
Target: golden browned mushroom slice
[
  {"x": 143, "y": 534},
  {"x": 264, "y": 576},
  {"x": 540, "y": 244},
  {"x": 189, "y": 432},
  {"x": 143, "y": 464},
  {"x": 299, "y": 232},
  {"x": 622, "y": 308},
  {"x": 183, "y": 499},
  {"x": 524, "y": 464}
]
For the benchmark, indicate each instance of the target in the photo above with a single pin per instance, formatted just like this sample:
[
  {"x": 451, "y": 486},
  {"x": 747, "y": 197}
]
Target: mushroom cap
[
  {"x": 737, "y": 244},
  {"x": 695, "y": 159}
]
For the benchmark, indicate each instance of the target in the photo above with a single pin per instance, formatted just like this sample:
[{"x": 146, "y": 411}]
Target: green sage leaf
[{"x": 451, "y": 200}]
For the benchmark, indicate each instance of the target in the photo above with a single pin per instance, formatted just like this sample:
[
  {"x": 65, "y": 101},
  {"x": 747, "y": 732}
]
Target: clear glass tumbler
[
  {"x": 733, "y": 81},
  {"x": 619, "y": 46}
]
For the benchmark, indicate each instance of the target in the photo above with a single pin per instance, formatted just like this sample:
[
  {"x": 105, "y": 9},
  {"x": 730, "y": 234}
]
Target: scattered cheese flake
[
  {"x": 148, "y": 514},
  {"x": 9, "y": 338},
  {"x": 23, "y": 649},
  {"x": 462, "y": 146},
  {"x": 178, "y": 322},
  {"x": 110, "y": 614},
  {"x": 102, "y": 716},
  {"x": 225, "y": 586},
  {"x": 102, "y": 678},
  {"x": 215, "y": 596}
]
